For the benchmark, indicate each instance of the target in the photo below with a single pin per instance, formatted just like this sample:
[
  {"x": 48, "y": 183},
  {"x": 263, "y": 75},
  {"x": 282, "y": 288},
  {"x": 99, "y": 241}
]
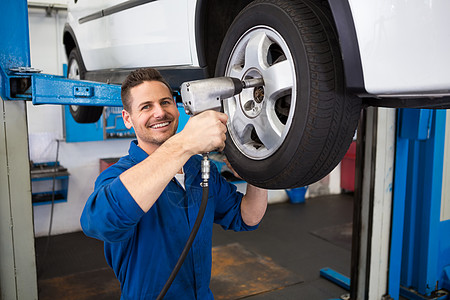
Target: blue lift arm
[
  {"x": 22, "y": 83},
  {"x": 18, "y": 81}
]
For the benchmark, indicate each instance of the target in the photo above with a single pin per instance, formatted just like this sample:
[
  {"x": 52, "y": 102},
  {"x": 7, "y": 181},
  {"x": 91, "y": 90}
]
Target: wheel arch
[
  {"x": 213, "y": 18},
  {"x": 348, "y": 43},
  {"x": 69, "y": 40}
]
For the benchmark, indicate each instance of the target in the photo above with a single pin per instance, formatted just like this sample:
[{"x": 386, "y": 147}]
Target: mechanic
[{"x": 143, "y": 207}]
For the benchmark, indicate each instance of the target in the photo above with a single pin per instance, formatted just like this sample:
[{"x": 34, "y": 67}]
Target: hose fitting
[{"x": 205, "y": 170}]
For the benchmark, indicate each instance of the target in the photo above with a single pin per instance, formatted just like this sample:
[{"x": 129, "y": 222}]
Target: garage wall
[{"x": 45, "y": 126}]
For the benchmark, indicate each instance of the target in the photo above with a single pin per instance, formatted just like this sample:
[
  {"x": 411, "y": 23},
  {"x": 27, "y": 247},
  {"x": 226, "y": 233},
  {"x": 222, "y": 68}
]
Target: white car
[{"x": 320, "y": 61}]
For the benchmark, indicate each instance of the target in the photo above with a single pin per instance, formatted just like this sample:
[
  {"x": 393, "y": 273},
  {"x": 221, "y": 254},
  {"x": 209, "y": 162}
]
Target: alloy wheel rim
[
  {"x": 74, "y": 73},
  {"x": 260, "y": 118}
]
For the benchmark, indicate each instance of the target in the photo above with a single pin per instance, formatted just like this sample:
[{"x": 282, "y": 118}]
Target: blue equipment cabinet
[
  {"x": 109, "y": 126},
  {"x": 49, "y": 183}
]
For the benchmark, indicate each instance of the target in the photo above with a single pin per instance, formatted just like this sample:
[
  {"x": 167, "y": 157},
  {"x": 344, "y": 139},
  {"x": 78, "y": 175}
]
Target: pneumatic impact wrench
[
  {"x": 208, "y": 94},
  {"x": 199, "y": 96}
]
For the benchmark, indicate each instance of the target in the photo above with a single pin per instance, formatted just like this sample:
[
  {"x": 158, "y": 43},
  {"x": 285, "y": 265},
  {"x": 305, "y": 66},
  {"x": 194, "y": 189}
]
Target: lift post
[
  {"x": 18, "y": 278},
  {"x": 373, "y": 204},
  {"x": 420, "y": 261},
  {"x": 400, "y": 234},
  {"x": 20, "y": 82}
]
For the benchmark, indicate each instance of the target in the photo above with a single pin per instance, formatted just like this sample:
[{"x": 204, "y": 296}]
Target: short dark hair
[{"x": 137, "y": 77}]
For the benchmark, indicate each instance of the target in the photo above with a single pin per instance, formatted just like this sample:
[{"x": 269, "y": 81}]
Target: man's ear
[{"x": 127, "y": 119}]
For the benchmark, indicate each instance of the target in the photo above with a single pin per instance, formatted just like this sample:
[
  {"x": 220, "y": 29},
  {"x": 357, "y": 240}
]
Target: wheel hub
[
  {"x": 258, "y": 94},
  {"x": 252, "y": 100}
]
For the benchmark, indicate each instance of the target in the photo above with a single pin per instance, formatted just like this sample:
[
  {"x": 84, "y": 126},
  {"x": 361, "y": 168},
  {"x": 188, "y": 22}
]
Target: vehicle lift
[{"x": 401, "y": 243}]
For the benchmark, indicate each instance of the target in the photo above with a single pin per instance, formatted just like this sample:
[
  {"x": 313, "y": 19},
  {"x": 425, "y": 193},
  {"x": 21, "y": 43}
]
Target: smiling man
[
  {"x": 155, "y": 118},
  {"x": 144, "y": 206}
]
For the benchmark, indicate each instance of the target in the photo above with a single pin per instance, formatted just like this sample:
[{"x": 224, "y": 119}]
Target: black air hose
[{"x": 187, "y": 247}]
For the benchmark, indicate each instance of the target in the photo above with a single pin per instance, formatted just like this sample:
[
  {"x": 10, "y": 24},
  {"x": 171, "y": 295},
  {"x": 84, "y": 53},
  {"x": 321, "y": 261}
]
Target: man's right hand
[{"x": 205, "y": 132}]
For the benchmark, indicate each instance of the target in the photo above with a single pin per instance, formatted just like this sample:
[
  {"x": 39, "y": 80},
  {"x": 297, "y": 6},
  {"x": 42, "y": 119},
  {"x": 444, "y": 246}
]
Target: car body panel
[
  {"x": 92, "y": 38},
  {"x": 404, "y": 46},
  {"x": 151, "y": 34}
]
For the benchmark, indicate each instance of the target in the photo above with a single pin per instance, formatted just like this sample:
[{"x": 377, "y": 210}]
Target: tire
[
  {"x": 295, "y": 129},
  {"x": 76, "y": 70}
]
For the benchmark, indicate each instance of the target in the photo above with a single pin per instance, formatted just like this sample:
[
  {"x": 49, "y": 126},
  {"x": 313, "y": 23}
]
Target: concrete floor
[{"x": 301, "y": 238}]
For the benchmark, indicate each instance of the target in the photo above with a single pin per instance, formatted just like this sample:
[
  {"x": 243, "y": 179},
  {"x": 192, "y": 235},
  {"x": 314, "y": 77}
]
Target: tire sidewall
[
  {"x": 82, "y": 114},
  {"x": 75, "y": 56}
]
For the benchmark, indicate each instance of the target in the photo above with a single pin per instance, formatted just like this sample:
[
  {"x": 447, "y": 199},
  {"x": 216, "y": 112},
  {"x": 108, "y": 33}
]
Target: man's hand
[{"x": 205, "y": 132}]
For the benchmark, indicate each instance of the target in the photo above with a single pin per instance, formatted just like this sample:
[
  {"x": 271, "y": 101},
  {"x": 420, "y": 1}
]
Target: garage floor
[{"x": 280, "y": 260}]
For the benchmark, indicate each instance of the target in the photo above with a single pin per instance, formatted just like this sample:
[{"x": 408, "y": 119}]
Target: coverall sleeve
[
  {"x": 110, "y": 213},
  {"x": 227, "y": 204}
]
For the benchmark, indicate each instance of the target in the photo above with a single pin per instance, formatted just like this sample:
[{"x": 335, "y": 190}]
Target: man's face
[{"x": 154, "y": 114}]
